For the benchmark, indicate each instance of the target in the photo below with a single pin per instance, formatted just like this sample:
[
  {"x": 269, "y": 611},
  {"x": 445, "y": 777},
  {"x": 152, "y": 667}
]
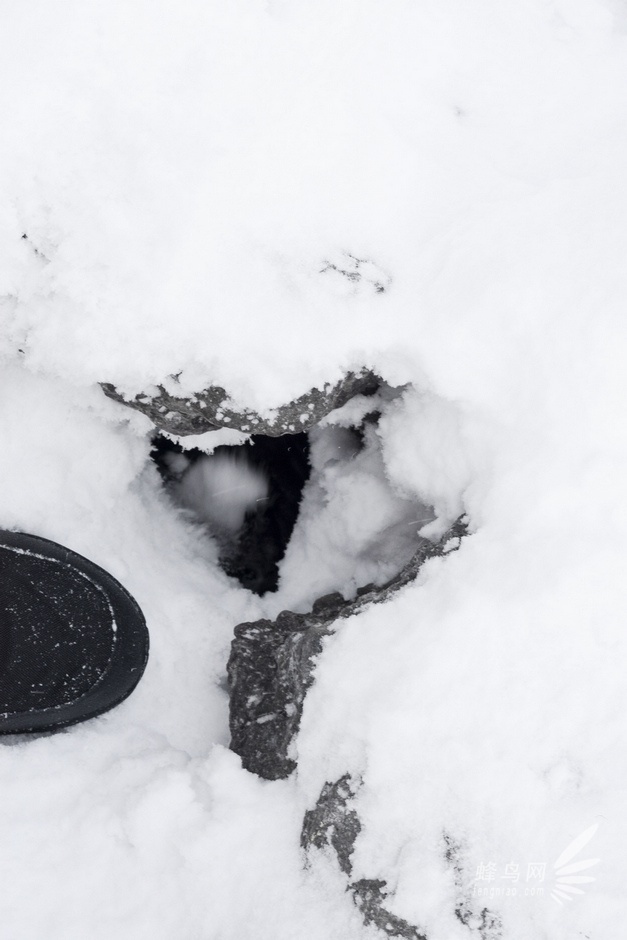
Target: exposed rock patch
[
  {"x": 334, "y": 823},
  {"x": 212, "y": 408},
  {"x": 271, "y": 665}
]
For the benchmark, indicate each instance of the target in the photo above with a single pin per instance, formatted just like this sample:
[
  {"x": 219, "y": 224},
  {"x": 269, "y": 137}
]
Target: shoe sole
[{"x": 73, "y": 642}]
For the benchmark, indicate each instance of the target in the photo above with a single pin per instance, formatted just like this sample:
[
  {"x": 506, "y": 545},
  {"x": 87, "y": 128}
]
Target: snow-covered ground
[{"x": 181, "y": 185}]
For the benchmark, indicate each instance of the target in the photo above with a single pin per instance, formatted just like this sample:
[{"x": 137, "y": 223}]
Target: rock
[
  {"x": 269, "y": 671},
  {"x": 369, "y": 895},
  {"x": 271, "y": 665},
  {"x": 334, "y": 823},
  {"x": 212, "y": 408}
]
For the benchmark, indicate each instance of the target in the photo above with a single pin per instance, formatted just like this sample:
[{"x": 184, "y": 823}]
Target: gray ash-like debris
[{"x": 361, "y": 272}]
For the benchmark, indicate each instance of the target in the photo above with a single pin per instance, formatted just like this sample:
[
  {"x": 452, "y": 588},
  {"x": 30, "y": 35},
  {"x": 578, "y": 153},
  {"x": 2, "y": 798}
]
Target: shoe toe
[{"x": 73, "y": 642}]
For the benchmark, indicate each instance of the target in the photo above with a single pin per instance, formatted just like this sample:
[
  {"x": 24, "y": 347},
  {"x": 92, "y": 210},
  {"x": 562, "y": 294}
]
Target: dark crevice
[
  {"x": 270, "y": 472},
  {"x": 266, "y": 532}
]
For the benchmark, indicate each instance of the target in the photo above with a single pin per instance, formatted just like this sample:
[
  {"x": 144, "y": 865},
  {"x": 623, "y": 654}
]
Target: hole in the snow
[
  {"x": 248, "y": 495},
  {"x": 302, "y": 514}
]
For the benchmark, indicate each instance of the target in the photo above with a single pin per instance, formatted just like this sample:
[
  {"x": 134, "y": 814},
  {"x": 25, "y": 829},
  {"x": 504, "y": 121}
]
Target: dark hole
[{"x": 251, "y": 540}]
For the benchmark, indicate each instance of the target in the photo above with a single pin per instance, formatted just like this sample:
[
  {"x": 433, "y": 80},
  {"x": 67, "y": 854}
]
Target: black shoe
[{"x": 73, "y": 642}]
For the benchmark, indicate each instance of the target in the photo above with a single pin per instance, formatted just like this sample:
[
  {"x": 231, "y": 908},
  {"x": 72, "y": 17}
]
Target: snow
[
  {"x": 191, "y": 179},
  {"x": 220, "y": 488},
  {"x": 352, "y": 528}
]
